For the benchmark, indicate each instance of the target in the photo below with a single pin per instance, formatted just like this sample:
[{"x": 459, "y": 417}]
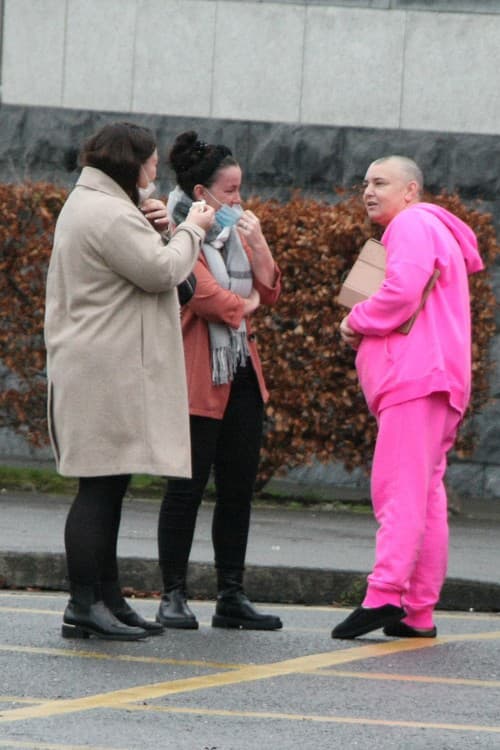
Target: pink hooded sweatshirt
[{"x": 435, "y": 356}]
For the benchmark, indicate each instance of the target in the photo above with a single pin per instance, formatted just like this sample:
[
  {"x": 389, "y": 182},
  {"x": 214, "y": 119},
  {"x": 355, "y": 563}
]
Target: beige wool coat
[{"x": 115, "y": 364}]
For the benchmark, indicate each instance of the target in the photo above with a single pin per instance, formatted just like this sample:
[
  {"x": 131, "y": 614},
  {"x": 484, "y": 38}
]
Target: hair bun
[
  {"x": 196, "y": 162},
  {"x": 186, "y": 151}
]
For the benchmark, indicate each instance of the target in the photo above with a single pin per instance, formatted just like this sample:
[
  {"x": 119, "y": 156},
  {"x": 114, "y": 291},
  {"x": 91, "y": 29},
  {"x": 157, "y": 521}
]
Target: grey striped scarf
[{"x": 229, "y": 264}]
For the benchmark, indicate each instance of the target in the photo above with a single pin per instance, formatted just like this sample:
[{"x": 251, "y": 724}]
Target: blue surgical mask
[{"x": 227, "y": 216}]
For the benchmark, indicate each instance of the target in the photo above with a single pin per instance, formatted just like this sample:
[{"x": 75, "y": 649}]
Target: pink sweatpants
[{"x": 410, "y": 505}]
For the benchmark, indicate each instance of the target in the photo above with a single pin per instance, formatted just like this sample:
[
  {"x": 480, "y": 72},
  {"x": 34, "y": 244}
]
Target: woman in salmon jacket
[{"x": 235, "y": 274}]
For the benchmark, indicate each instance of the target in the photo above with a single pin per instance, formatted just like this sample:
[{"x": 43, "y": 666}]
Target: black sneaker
[
  {"x": 363, "y": 620},
  {"x": 402, "y": 630}
]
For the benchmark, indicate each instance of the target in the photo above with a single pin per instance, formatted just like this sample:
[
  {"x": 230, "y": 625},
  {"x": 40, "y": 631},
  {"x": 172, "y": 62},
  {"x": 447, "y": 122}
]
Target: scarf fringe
[{"x": 227, "y": 359}]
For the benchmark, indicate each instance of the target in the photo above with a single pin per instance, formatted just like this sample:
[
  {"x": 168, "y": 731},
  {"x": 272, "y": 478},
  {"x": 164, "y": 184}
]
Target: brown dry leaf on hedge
[
  {"x": 27, "y": 218},
  {"x": 316, "y": 408}
]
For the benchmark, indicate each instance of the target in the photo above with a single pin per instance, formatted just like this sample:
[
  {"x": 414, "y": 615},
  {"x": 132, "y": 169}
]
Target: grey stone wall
[
  {"x": 277, "y": 158},
  {"x": 41, "y": 144}
]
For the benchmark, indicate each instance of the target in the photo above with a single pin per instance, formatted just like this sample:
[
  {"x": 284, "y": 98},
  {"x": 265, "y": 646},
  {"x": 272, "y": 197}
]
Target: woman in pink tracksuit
[{"x": 418, "y": 387}]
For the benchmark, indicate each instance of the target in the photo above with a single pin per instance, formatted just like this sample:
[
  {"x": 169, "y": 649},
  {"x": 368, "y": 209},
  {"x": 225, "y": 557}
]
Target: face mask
[
  {"x": 145, "y": 193},
  {"x": 227, "y": 216}
]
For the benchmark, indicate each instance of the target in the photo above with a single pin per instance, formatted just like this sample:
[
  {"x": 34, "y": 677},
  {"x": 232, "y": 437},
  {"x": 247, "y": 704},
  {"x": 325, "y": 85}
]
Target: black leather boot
[
  {"x": 174, "y": 611},
  {"x": 86, "y": 615},
  {"x": 235, "y": 610},
  {"x": 114, "y": 600}
]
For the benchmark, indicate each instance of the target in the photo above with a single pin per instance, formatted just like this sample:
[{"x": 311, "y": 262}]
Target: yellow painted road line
[
  {"x": 360, "y": 721},
  {"x": 29, "y": 611},
  {"x": 27, "y": 745},
  {"x": 21, "y": 699},
  {"x": 251, "y": 673},
  {"x": 492, "y": 635},
  {"x": 386, "y": 676},
  {"x": 440, "y": 614},
  {"x": 117, "y": 657},
  {"x": 454, "y": 638},
  {"x": 466, "y": 616},
  {"x": 203, "y": 623}
]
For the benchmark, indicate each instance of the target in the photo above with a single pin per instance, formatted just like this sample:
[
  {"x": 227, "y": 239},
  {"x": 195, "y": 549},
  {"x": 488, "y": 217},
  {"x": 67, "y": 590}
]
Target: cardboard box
[{"x": 366, "y": 277}]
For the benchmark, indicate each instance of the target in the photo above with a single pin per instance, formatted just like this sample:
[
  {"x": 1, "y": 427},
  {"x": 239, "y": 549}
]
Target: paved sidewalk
[{"x": 296, "y": 556}]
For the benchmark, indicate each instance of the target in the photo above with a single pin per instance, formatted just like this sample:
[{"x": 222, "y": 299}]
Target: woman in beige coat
[{"x": 116, "y": 379}]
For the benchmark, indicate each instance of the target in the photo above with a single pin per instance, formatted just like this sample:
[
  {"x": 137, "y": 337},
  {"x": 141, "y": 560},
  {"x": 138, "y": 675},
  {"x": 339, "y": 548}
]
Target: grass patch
[
  {"x": 35, "y": 480},
  {"x": 48, "y": 481},
  {"x": 144, "y": 485}
]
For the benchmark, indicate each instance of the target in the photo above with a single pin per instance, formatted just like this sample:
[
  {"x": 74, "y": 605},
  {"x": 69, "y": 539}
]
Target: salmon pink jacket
[
  {"x": 213, "y": 303},
  {"x": 435, "y": 356}
]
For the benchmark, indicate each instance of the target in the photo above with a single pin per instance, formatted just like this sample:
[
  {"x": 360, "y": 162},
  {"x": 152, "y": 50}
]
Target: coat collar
[{"x": 95, "y": 179}]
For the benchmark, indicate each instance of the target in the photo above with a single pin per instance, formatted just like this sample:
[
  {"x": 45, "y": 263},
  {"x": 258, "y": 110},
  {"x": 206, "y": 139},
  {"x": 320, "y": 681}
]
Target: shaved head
[
  {"x": 391, "y": 184},
  {"x": 409, "y": 169}
]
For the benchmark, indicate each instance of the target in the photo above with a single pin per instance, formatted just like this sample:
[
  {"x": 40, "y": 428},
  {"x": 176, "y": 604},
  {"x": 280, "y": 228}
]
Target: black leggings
[
  {"x": 232, "y": 447},
  {"x": 91, "y": 531}
]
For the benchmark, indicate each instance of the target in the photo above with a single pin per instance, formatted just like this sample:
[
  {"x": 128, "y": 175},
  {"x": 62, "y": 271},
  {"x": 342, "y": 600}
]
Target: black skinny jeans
[
  {"x": 231, "y": 446},
  {"x": 91, "y": 531}
]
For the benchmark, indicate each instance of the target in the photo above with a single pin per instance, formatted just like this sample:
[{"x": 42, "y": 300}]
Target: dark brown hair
[
  {"x": 197, "y": 163},
  {"x": 120, "y": 149}
]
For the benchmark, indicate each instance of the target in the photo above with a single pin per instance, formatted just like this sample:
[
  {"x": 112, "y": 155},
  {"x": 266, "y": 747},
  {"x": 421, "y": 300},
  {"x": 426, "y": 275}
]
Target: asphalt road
[
  {"x": 213, "y": 689},
  {"x": 307, "y": 556}
]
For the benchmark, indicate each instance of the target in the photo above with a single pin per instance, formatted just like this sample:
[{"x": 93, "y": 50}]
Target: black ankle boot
[
  {"x": 114, "y": 600},
  {"x": 235, "y": 610},
  {"x": 86, "y": 615},
  {"x": 174, "y": 611}
]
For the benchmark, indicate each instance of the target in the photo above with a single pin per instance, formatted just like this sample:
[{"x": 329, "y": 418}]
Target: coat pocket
[{"x": 51, "y": 422}]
